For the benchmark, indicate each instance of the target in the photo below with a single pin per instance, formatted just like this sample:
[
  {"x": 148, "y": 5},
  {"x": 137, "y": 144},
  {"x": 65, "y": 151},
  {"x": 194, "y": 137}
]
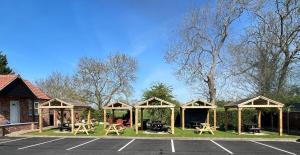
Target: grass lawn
[{"x": 178, "y": 133}]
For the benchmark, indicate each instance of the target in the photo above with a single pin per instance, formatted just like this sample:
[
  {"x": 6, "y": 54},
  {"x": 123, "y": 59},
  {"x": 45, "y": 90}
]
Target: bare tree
[
  {"x": 269, "y": 51},
  {"x": 58, "y": 85},
  {"x": 200, "y": 44},
  {"x": 100, "y": 81}
]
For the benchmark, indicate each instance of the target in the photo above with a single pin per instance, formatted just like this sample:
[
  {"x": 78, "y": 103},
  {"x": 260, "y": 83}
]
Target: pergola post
[
  {"x": 61, "y": 118},
  {"x": 226, "y": 119},
  {"x": 72, "y": 120},
  {"x": 239, "y": 122},
  {"x": 215, "y": 119},
  {"x": 40, "y": 120},
  {"x": 55, "y": 118},
  {"x": 136, "y": 120},
  {"x": 172, "y": 120},
  {"x": 104, "y": 118},
  {"x": 89, "y": 119},
  {"x": 142, "y": 125},
  {"x": 280, "y": 121},
  {"x": 259, "y": 118},
  {"x": 183, "y": 118},
  {"x": 207, "y": 117},
  {"x": 130, "y": 119}
]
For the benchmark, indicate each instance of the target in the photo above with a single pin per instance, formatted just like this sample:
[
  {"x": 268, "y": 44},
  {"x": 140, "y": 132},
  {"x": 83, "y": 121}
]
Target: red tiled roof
[
  {"x": 5, "y": 80},
  {"x": 36, "y": 91}
]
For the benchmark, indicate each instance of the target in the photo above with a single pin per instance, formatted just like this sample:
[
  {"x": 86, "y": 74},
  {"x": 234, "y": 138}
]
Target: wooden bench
[{"x": 205, "y": 128}]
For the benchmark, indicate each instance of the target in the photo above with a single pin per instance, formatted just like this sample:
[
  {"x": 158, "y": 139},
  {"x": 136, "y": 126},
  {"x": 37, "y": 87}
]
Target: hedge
[{"x": 249, "y": 116}]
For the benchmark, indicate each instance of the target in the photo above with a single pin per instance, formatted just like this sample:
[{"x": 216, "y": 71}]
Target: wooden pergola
[
  {"x": 258, "y": 102},
  {"x": 62, "y": 105},
  {"x": 198, "y": 104},
  {"x": 117, "y": 106},
  {"x": 153, "y": 102}
]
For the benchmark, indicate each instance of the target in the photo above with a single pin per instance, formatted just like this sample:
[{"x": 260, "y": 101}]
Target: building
[{"x": 19, "y": 101}]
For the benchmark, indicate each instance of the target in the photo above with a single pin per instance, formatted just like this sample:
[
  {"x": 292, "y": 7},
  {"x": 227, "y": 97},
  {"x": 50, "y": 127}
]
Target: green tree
[
  {"x": 163, "y": 92},
  {"x": 4, "y": 69}
]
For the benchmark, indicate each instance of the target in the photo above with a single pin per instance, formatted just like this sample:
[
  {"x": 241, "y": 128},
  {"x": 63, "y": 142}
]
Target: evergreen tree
[
  {"x": 164, "y": 92},
  {"x": 4, "y": 69}
]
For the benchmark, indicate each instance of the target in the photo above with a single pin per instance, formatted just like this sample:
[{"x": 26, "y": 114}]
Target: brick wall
[
  {"x": 24, "y": 111},
  {"x": 17, "y": 127}
]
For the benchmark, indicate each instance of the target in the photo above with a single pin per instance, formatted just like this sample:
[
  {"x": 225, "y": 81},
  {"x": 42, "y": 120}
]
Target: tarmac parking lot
[{"x": 92, "y": 146}]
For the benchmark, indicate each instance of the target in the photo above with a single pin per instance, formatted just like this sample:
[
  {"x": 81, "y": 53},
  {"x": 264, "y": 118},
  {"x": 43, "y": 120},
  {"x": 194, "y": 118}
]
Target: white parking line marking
[
  {"x": 126, "y": 145},
  {"x": 13, "y": 140},
  {"x": 25, "y": 147},
  {"x": 172, "y": 145},
  {"x": 81, "y": 144},
  {"x": 221, "y": 147},
  {"x": 273, "y": 147}
]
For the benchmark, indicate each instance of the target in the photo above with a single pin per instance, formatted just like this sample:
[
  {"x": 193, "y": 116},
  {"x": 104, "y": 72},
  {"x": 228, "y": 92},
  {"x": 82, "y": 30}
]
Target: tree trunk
[
  {"x": 211, "y": 78},
  {"x": 211, "y": 89},
  {"x": 283, "y": 75}
]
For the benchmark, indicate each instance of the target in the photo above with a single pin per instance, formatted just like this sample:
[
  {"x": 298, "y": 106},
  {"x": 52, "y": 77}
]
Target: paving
[{"x": 99, "y": 146}]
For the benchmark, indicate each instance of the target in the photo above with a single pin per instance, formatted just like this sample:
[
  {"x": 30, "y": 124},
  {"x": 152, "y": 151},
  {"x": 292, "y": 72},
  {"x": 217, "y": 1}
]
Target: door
[{"x": 14, "y": 112}]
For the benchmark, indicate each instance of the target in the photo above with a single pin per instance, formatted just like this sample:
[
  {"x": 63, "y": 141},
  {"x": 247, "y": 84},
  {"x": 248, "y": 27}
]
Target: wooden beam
[
  {"x": 136, "y": 121},
  {"x": 215, "y": 119},
  {"x": 207, "y": 117},
  {"x": 40, "y": 120},
  {"x": 259, "y": 118},
  {"x": 226, "y": 119},
  {"x": 89, "y": 119},
  {"x": 72, "y": 120},
  {"x": 280, "y": 121},
  {"x": 117, "y": 108},
  {"x": 172, "y": 120},
  {"x": 155, "y": 106},
  {"x": 104, "y": 118},
  {"x": 56, "y": 107},
  {"x": 182, "y": 118},
  {"x": 199, "y": 107},
  {"x": 260, "y": 106},
  {"x": 55, "y": 118},
  {"x": 130, "y": 118},
  {"x": 239, "y": 121},
  {"x": 142, "y": 123},
  {"x": 61, "y": 119}
]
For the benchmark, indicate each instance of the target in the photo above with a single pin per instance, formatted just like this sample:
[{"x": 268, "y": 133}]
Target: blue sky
[{"x": 40, "y": 37}]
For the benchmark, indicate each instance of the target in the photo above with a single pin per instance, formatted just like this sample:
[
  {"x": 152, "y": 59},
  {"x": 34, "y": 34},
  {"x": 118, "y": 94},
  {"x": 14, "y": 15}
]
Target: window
[{"x": 36, "y": 104}]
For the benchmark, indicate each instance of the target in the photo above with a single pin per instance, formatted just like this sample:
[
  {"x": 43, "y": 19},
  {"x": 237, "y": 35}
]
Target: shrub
[{"x": 248, "y": 117}]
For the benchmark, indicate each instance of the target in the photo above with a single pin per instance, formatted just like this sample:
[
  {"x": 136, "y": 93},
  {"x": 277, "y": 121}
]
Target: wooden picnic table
[
  {"x": 114, "y": 128},
  {"x": 82, "y": 127},
  {"x": 205, "y": 127}
]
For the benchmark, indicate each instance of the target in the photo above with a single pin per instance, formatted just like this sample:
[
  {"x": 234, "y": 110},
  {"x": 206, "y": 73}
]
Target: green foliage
[
  {"x": 4, "y": 69},
  {"x": 163, "y": 92},
  {"x": 95, "y": 114},
  {"x": 221, "y": 103},
  {"x": 248, "y": 117}
]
